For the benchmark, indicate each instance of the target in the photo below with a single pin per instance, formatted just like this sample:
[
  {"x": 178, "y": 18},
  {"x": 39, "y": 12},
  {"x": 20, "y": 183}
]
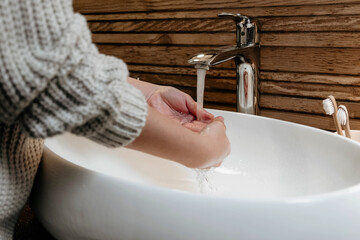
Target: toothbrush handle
[
  {"x": 347, "y": 130},
  {"x": 337, "y": 125}
]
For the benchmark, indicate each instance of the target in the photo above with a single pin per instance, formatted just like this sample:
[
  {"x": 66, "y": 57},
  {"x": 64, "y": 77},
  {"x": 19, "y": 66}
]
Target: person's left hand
[
  {"x": 175, "y": 104},
  {"x": 180, "y": 107}
]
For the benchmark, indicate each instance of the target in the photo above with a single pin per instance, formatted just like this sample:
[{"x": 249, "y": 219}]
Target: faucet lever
[
  {"x": 236, "y": 17},
  {"x": 245, "y": 29}
]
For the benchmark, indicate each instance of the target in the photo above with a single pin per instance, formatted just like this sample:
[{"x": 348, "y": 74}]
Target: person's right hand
[
  {"x": 218, "y": 145},
  {"x": 166, "y": 138}
]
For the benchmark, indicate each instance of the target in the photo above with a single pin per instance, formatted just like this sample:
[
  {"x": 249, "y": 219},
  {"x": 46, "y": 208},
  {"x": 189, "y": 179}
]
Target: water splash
[{"x": 204, "y": 181}]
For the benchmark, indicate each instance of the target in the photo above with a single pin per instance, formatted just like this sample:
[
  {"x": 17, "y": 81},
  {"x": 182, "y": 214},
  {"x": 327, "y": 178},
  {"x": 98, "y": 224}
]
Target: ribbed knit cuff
[
  {"x": 120, "y": 126},
  {"x": 90, "y": 96}
]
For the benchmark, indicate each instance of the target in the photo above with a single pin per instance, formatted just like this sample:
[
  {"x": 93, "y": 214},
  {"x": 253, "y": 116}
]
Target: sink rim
[{"x": 297, "y": 199}]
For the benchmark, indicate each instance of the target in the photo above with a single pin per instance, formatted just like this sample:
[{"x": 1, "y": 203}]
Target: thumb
[{"x": 200, "y": 113}]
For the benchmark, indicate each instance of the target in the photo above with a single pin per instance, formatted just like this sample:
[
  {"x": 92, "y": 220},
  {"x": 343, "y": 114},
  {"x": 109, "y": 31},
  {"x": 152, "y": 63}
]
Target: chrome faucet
[{"x": 246, "y": 56}]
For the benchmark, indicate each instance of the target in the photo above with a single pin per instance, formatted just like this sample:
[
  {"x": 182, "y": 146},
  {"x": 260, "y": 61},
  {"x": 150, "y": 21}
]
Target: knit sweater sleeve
[{"x": 53, "y": 79}]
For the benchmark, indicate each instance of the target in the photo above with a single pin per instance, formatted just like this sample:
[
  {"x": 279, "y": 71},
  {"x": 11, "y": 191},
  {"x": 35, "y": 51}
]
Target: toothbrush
[
  {"x": 330, "y": 107},
  {"x": 343, "y": 116}
]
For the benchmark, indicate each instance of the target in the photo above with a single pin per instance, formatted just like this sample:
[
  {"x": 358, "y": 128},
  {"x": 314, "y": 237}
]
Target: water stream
[
  {"x": 201, "y": 73},
  {"x": 203, "y": 178}
]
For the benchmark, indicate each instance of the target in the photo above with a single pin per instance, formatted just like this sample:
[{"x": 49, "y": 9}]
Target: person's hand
[
  {"x": 175, "y": 104},
  {"x": 166, "y": 138},
  {"x": 217, "y": 143},
  {"x": 180, "y": 107}
]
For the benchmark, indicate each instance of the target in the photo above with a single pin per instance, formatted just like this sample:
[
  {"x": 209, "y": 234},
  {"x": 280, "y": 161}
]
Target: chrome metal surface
[
  {"x": 246, "y": 88},
  {"x": 246, "y": 56},
  {"x": 245, "y": 29}
]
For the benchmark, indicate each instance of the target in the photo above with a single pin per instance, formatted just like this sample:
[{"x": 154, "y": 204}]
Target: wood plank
[
  {"x": 311, "y": 24},
  {"x": 317, "y": 121},
  {"x": 348, "y": 93},
  {"x": 317, "y": 39},
  {"x": 327, "y": 39},
  {"x": 95, "y": 6},
  {"x": 215, "y": 39},
  {"x": 310, "y": 78},
  {"x": 186, "y": 81},
  {"x": 314, "y": 60},
  {"x": 305, "y": 105},
  {"x": 220, "y": 97},
  {"x": 159, "y": 55},
  {"x": 231, "y": 108},
  {"x": 212, "y": 96},
  {"x": 278, "y": 24},
  {"x": 313, "y": 10},
  {"x": 168, "y": 25},
  {"x": 188, "y": 70}
]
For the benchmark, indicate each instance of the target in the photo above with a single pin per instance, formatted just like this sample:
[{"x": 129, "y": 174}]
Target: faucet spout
[
  {"x": 216, "y": 56},
  {"x": 246, "y": 55}
]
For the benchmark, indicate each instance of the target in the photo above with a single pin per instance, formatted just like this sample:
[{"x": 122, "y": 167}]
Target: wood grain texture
[
  {"x": 171, "y": 25},
  {"x": 227, "y": 98},
  {"x": 95, "y": 6},
  {"x": 326, "y": 39},
  {"x": 317, "y": 39},
  {"x": 303, "y": 104},
  {"x": 273, "y": 24},
  {"x": 156, "y": 55},
  {"x": 350, "y": 93},
  {"x": 314, "y": 60},
  {"x": 187, "y": 70},
  {"x": 220, "y": 106},
  {"x": 308, "y": 50},
  {"x": 311, "y": 24},
  {"x": 310, "y": 78},
  {"x": 186, "y": 81},
  {"x": 279, "y": 11},
  {"x": 317, "y": 121},
  {"x": 208, "y": 39}
]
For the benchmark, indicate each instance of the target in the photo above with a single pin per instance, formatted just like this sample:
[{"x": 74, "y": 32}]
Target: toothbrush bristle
[
  {"x": 328, "y": 106},
  {"x": 341, "y": 115}
]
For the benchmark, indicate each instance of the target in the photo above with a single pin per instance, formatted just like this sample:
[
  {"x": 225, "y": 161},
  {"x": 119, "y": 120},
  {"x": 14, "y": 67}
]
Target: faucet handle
[
  {"x": 237, "y": 17},
  {"x": 246, "y": 31}
]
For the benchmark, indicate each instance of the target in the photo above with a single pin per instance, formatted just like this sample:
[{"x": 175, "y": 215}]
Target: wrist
[{"x": 146, "y": 88}]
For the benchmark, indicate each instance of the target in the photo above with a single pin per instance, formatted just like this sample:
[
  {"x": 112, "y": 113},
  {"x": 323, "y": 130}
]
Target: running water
[
  {"x": 201, "y": 73},
  {"x": 203, "y": 178}
]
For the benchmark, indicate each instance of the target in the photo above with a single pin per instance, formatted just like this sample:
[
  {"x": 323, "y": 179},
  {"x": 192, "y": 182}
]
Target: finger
[
  {"x": 204, "y": 115},
  {"x": 191, "y": 105},
  {"x": 200, "y": 113},
  {"x": 218, "y": 123},
  {"x": 183, "y": 117},
  {"x": 195, "y": 126},
  {"x": 218, "y": 164},
  {"x": 220, "y": 119},
  {"x": 213, "y": 166}
]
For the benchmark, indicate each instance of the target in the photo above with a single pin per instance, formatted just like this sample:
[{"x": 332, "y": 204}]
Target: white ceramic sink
[{"x": 281, "y": 181}]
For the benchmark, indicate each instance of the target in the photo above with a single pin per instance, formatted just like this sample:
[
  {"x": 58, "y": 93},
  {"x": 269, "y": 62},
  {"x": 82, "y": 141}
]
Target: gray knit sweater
[{"x": 53, "y": 79}]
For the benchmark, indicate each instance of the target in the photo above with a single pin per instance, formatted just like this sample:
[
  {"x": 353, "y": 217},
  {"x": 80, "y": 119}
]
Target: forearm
[
  {"x": 146, "y": 88},
  {"x": 166, "y": 138},
  {"x": 53, "y": 79}
]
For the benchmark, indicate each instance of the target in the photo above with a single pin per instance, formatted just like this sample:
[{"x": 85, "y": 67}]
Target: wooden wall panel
[
  {"x": 106, "y": 6},
  {"x": 306, "y": 39},
  {"x": 307, "y": 52},
  {"x": 156, "y": 55},
  {"x": 282, "y": 11},
  {"x": 310, "y": 59}
]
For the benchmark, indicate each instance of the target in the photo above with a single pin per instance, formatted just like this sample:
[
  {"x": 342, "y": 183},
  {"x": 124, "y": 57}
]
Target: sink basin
[{"x": 281, "y": 181}]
